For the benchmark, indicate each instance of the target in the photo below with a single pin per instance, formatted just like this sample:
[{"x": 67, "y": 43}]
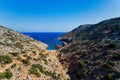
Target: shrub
[
  {"x": 5, "y": 59},
  {"x": 14, "y": 53},
  {"x": 82, "y": 63},
  {"x": 8, "y": 74},
  {"x": 42, "y": 55},
  {"x": 110, "y": 77},
  {"x": 110, "y": 66},
  {"x": 2, "y": 76},
  {"x": 34, "y": 52},
  {"x": 19, "y": 58},
  {"x": 14, "y": 65},
  {"x": 25, "y": 55},
  {"x": 112, "y": 63},
  {"x": 53, "y": 75},
  {"x": 41, "y": 69},
  {"x": 107, "y": 52},
  {"x": 34, "y": 71},
  {"x": 24, "y": 52},
  {"x": 19, "y": 45},
  {"x": 110, "y": 46},
  {"x": 26, "y": 61},
  {"x": 116, "y": 56}
]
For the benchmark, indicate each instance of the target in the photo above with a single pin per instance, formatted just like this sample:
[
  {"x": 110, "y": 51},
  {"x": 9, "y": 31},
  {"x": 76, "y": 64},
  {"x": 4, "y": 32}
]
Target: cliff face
[
  {"x": 93, "y": 51},
  {"x": 22, "y": 57}
]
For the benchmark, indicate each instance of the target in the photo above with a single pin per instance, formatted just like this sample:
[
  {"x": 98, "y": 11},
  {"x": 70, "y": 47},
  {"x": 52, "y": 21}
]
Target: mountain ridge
[
  {"x": 92, "y": 51},
  {"x": 23, "y": 58}
]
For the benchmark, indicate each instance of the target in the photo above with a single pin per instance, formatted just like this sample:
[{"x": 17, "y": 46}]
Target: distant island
[{"x": 89, "y": 52}]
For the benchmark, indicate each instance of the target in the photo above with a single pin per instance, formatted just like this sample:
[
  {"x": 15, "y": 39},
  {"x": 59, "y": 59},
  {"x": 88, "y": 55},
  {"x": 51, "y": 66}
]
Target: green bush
[
  {"x": 34, "y": 71},
  {"x": 41, "y": 69},
  {"x": 19, "y": 58},
  {"x": 82, "y": 63},
  {"x": 14, "y": 53},
  {"x": 112, "y": 63},
  {"x": 5, "y": 59},
  {"x": 53, "y": 75},
  {"x": 19, "y": 45},
  {"x": 108, "y": 66},
  {"x": 8, "y": 74},
  {"x": 25, "y": 55},
  {"x": 14, "y": 65},
  {"x": 42, "y": 55},
  {"x": 2, "y": 76},
  {"x": 116, "y": 56},
  {"x": 111, "y": 46},
  {"x": 34, "y": 52},
  {"x": 26, "y": 61},
  {"x": 107, "y": 52},
  {"x": 110, "y": 77}
]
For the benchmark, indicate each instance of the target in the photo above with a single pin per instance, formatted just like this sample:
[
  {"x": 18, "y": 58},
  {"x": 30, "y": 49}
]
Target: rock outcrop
[
  {"x": 93, "y": 51},
  {"x": 23, "y": 58}
]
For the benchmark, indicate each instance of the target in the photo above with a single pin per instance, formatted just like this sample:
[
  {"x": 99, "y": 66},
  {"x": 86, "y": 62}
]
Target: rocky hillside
[
  {"x": 93, "y": 51},
  {"x": 23, "y": 58}
]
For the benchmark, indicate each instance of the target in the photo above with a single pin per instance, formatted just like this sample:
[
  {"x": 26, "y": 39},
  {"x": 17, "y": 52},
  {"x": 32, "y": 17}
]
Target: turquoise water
[{"x": 50, "y": 38}]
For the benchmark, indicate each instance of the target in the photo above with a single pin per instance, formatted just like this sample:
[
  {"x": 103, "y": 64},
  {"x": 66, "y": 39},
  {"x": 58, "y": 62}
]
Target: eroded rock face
[
  {"x": 23, "y": 58},
  {"x": 93, "y": 51}
]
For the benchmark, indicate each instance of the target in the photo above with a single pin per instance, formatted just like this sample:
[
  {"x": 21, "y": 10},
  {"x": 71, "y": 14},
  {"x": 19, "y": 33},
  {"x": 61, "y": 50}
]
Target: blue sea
[{"x": 50, "y": 38}]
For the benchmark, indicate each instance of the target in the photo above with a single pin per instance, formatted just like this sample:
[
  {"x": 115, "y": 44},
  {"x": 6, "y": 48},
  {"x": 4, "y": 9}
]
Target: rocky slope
[
  {"x": 93, "y": 51},
  {"x": 23, "y": 58}
]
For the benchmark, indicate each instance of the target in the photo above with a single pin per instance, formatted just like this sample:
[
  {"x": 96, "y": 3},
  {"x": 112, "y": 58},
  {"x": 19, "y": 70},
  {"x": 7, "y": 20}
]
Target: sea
[{"x": 49, "y": 38}]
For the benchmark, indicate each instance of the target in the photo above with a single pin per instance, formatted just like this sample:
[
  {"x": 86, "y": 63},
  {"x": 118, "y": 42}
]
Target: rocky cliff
[
  {"x": 23, "y": 58},
  {"x": 93, "y": 51}
]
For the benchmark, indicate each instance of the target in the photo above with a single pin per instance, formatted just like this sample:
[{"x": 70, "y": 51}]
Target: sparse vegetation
[
  {"x": 14, "y": 53},
  {"x": 25, "y": 55},
  {"x": 112, "y": 63},
  {"x": 34, "y": 71},
  {"x": 108, "y": 66},
  {"x": 107, "y": 52},
  {"x": 42, "y": 55},
  {"x": 7, "y": 74},
  {"x": 41, "y": 69},
  {"x": 5, "y": 59},
  {"x": 26, "y": 61},
  {"x": 82, "y": 63},
  {"x": 19, "y": 58},
  {"x": 110, "y": 77},
  {"x": 14, "y": 65},
  {"x": 111, "y": 46},
  {"x": 18, "y": 53},
  {"x": 19, "y": 45},
  {"x": 34, "y": 52},
  {"x": 116, "y": 56}
]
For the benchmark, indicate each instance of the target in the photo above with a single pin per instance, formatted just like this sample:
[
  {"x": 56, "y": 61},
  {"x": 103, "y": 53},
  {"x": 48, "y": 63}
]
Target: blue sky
[{"x": 55, "y": 15}]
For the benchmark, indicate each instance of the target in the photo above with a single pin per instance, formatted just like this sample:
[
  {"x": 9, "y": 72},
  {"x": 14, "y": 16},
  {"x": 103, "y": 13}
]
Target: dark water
[{"x": 50, "y": 38}]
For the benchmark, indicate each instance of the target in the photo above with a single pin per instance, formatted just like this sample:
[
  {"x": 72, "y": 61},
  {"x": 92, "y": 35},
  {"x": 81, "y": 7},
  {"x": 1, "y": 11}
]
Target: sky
[{"x": 55, "y": 15}]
